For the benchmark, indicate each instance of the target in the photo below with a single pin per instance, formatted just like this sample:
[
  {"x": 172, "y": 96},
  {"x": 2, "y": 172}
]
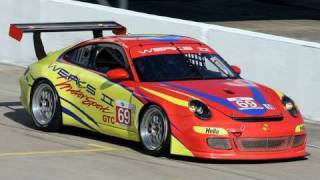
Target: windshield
[{"x": 188, "y": 66}]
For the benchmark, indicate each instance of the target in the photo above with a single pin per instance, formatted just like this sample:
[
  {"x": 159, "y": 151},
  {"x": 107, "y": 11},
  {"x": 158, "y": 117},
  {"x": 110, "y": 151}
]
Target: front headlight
[
  {"x": 290, "y": 106},
  {"x": 199, "y": 109}
]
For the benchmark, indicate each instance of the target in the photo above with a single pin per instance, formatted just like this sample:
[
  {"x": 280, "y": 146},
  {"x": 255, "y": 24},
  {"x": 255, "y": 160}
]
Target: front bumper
[
  {"x": 292, "y": 153},
  {"x": 269, "y": 140},
  {"x": 236, "y": 152}
]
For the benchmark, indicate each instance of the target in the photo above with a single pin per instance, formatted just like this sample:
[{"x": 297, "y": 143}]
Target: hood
[{"x": 236, "y": 98}]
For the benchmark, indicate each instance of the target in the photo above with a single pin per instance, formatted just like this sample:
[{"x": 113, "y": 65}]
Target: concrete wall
[{"x": 285, "y": 64}]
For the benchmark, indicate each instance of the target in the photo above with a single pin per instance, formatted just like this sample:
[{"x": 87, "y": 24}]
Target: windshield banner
[{"x": 156, "y": 49}]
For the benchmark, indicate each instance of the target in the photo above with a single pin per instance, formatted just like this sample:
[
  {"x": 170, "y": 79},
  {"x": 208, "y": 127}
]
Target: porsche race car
[{"x": 172, "y": 93}]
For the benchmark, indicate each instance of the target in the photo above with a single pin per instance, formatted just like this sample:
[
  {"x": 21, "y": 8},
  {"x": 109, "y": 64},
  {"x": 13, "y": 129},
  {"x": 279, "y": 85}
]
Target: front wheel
[
  {"x": 45, "y": 107},
  {"x": 154, "y": 131}
]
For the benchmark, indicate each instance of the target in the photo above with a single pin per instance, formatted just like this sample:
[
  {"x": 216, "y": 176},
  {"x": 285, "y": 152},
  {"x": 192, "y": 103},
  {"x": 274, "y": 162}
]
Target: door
[{"x": 102, "y": 105}]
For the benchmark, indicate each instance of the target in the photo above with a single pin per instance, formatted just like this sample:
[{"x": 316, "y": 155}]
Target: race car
[{"x": 172, "y": 93}]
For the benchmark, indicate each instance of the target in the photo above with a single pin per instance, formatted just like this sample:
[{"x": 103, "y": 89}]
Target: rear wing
[{"x": 16, "y": 31}]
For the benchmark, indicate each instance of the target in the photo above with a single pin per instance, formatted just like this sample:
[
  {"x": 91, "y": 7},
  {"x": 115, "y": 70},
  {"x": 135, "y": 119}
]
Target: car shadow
[
  {"x": 215, "y": 161},
  {"x": 20, "y": 116}
]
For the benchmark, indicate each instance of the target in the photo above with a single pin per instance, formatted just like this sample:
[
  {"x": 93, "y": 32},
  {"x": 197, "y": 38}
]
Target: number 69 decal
[
  {"x": 123, "y": 116},
  {"x": 123, "y": 113}
]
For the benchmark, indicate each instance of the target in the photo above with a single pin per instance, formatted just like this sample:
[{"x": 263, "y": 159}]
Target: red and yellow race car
[{"x": 172, "y": 93}]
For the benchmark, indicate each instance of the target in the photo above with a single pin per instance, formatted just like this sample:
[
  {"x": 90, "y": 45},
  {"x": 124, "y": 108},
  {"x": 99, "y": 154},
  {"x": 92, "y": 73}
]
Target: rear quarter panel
[{"x": 36, "y": 71}]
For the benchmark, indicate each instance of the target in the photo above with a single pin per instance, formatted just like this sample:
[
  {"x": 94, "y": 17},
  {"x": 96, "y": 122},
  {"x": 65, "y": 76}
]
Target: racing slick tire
[
  {"x": 154, "y": 130},
  {"x": 45, "y": 107}
]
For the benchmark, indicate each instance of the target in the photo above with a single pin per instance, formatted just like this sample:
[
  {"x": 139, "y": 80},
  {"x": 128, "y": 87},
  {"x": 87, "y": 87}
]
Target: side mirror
[
  {"x": 236, "y": 69},
  {"x": 117, "y": 74}
]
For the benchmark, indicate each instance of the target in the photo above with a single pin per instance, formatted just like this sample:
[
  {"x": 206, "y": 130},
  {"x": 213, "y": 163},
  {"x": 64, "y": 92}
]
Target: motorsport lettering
[{"x": 62, "y": 73}]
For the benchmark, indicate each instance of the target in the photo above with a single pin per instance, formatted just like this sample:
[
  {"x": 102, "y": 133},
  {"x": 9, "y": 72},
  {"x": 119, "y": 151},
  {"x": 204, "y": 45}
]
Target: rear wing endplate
[{"x": 16, "y": 31}]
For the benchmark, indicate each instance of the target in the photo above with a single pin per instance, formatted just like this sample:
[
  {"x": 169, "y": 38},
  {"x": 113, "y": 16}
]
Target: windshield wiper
[{"x": 186, "y": 61}]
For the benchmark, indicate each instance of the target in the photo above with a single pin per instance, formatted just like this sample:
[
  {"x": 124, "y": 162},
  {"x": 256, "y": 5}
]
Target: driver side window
[
  {"x": 108, "y": 58},
  {"x": 80, "y": 56}
]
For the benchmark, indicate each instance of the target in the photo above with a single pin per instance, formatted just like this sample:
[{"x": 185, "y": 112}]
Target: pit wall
[{"x": 288, "y": 65}]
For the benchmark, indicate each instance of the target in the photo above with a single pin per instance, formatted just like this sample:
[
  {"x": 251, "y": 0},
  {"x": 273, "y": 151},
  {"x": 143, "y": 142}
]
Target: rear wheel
[
  {"x": 45, "y": 107},
  {"x": 154, "y": 131}
]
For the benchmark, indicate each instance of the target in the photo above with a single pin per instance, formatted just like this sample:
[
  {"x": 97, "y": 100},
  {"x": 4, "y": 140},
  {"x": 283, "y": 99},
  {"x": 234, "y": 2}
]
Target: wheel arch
[
  {"x": 36, "y": 81},
  {"x": 145, "y": 107},
  {"x": 175, "y": 144}
]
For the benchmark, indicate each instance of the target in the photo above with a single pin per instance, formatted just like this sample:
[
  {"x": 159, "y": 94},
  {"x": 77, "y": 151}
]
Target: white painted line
[
  {"x": 313, "y": 146},
  {"x": 98, "y": 148},
  {"x": 9, "y": 92},
  {"x": 315, "y": 121}
]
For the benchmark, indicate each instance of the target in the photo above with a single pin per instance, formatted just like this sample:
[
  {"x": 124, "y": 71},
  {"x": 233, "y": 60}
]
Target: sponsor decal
[
  {"x": 299, "y": 128},
  {"x": 163, "y": 49},
  {"x": 172, "y": 48},
  {"x": 85, "y": 92},
  {"x": 85, "y": 99},
  {"x": 108, "y": 119},
  {"x": 62, "y": 73},
  {"x": 89, "y": 97},
  {"x": 268, "y": 106},
  {"x": 210, "y": 130},
  {"x": 123, "y": 112},
  {"x": 244, "y": 103},
  {"x": 106, "y": 99}
]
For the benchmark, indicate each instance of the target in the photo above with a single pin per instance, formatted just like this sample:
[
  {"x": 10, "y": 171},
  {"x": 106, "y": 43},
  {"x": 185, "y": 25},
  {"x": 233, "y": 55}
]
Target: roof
[{"x": 131, "y": 40}]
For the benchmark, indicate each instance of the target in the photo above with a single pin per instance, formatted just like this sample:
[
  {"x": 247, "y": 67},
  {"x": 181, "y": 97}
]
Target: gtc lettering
[{"x": 108, "y": 119}]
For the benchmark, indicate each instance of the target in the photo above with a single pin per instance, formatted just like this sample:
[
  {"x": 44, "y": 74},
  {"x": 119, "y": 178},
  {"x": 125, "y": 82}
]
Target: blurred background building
[{"x": 292, "y": 18}]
